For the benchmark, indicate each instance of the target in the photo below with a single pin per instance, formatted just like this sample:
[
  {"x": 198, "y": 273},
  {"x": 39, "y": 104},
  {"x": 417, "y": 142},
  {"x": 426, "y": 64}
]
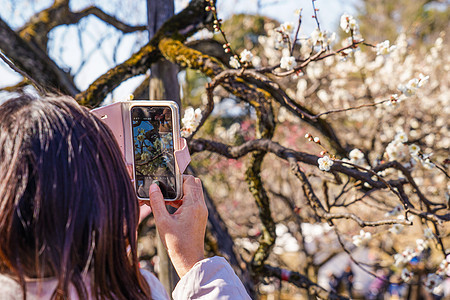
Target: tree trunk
[
  {"x": 163, "y": 85},
  {"x": 164, "y": 74}
]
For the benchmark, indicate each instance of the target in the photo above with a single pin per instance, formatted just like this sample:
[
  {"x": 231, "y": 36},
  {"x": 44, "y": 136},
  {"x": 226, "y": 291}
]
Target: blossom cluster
[
  {"x": 410, "y": 88},
  {"x": 411, "y": 256},
  {"x": 285, "y": 241},
  {"x": 227, "y": 134},
  {"x": 356, "y": 157},
  {"x": 190, "y": 121},
  {"x": 362, "y": 239},
  {"x": 322, "y": 37},
  {"x": 398, "y": 150},
  {"x": 348, "y": 23},
  {"x": 384, "y": 48},
  {"x": 245, "y": 57}
]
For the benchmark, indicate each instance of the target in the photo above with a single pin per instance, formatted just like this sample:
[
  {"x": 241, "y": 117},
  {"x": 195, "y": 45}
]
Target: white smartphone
[{"x": 148, "y": 133}]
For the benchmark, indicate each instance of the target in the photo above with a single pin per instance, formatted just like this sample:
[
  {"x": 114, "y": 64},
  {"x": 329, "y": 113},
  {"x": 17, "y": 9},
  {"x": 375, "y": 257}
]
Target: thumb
[{"x": 157, "y": 201}]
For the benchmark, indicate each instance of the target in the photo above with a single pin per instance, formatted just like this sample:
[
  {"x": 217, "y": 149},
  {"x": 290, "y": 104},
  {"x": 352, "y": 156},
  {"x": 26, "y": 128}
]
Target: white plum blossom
[
  {"x": 287, "y": 27},
  {"x": 413, "y": 85},
  {"x": 395, "y": 150},
  {"x": 444, "y": 267},
  {"x": 407, "y": 275},
  {"x": 427, "y": 164},
  {"x": 246, "y": 56},
  {"x": 322, "y": 37},
  {"x": 414, "y": 149},
  {"x": 432, "y": 282},
  {"x": 410, "y": 88},
  {"x": 401, "y": 137},
  {"x": 348, "y": 23},
  {"x": 190, "y": 120},
  {"x": 288, "y": 63},
  {"x": 405, "y": 257},
  {"x": 192, "y": 116},
  {"x": 325, "y": 163},
  {"x": 234, "y": 63},
  {"x": 384, "y": 48},
  {"x": 256, "y": 61},
  {"x": 356, "y": 157},
  {"x": 422, "y": 80},
  {"x": 394, "y": 98},
  {"x": 396, "y": 228},
  {"x": 421, "y": 245},
  {"x": 362, "y": 238},
  {"x": 316, "y": 231},
  {"x": 247, "y": 244},
  {"x": 281, "y": 229},
  {"x": 285, "y": 241},
  {"x": 400, "y": 260}
]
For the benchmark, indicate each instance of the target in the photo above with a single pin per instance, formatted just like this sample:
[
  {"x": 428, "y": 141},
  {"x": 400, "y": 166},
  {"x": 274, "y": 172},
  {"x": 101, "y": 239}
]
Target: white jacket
[{"x": 212, "y": 278}]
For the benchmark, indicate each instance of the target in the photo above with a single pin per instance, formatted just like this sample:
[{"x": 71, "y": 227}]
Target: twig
[
  {"x": 349, "y": 108},
  {"x": 315, "y": 14},
  {"x": 297, "y": 31}
]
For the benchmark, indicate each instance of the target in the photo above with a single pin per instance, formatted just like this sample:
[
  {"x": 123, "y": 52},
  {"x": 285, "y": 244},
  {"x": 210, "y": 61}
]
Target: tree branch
[
  {"x": 34, "y": 61},
  {"x": 180, "y": 26},
  {"x": 75, "y": 17},
  {"x": 284, "y": 153}
]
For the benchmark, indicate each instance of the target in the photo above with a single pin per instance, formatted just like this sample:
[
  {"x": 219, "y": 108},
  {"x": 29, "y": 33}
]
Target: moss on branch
[
  {"x": 137, "y": 64},
  {"x": 176, "y": 52},
  {"x": 265, "y": 129}
]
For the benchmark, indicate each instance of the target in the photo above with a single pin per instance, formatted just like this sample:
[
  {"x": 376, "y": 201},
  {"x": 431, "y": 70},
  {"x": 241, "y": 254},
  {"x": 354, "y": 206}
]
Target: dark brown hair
[{"x": 67, "y": 205}]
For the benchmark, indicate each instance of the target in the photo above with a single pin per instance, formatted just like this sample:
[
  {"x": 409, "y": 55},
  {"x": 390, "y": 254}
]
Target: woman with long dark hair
[{"x": 69, "y": 214}]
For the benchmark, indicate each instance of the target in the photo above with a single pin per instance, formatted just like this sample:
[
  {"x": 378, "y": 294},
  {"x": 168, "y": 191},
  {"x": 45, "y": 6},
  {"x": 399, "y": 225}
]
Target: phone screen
[{"x": 153, "y": 150}]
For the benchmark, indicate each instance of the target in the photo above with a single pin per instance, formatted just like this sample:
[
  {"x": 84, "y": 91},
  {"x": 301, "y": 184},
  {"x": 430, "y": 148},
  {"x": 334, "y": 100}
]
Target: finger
[
  {"x": 187, "y": 177},
  {"x": 198, "y": 182},
  {"x": 157, "y": 202},
  {"x": 189, "y": 187},
  {"x": 199, "y": 190},
  {"x": 144, "y": 211}
]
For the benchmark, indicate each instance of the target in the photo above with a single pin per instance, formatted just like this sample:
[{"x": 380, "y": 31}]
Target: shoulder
[
  {"x": 210, "y": 278},
  {"x": 9, "y": 288},
  {"x": 157, "y": 289},
  {"x": 36, "y": 289}
]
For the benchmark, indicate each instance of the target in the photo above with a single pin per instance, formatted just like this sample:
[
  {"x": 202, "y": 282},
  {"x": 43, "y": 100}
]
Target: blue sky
[{"x": 64, "y": 40}]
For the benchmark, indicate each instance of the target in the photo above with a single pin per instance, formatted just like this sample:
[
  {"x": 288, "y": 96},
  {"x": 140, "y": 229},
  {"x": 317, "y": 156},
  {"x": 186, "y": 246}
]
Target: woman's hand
[{"x": 183, "y": 232}]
